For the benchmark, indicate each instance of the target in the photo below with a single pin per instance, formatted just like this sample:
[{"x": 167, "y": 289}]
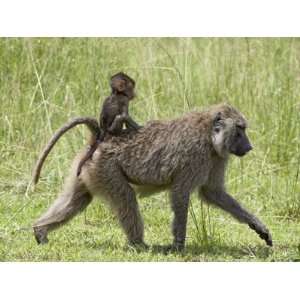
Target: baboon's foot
[
  {"x": 263, "y": 233},
  {"x": 40, "y": 234},
  {"x": 139, "y": 245},
  {"x": 175, "y": 247}
]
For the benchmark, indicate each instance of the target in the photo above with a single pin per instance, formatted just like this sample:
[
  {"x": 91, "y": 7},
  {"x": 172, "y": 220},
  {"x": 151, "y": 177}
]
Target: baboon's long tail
[{"x": 92, "y": 125}]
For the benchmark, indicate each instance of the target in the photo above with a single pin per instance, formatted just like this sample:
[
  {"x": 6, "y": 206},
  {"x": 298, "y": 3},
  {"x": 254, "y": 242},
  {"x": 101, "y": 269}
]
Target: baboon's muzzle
[{"x": 241, "y": 151}]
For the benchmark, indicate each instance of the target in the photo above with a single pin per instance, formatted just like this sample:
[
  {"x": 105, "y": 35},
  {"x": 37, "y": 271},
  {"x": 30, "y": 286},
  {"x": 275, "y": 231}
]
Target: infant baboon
[
  {"x": 114, "y": 113},
  {"x": 180, "y": 155}
]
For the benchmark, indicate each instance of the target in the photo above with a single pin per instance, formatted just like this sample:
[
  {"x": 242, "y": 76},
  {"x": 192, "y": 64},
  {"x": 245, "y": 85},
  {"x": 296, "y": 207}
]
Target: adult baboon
[{"x": 180, "y": 155}]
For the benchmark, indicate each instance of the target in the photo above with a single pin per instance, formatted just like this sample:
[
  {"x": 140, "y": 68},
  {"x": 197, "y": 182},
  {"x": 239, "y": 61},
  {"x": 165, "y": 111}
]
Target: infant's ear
[{"x": 118, "y": 85}]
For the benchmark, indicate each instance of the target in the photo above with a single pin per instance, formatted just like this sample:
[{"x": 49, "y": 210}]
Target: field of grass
[{"x": 44, "y": 82}]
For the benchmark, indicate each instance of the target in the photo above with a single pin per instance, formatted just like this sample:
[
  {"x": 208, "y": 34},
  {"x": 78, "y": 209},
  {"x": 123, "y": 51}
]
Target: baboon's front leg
[
  {"x": 117, "y": 125},
  {"x": 223, "y": 200},
  {"x": 131, "y": 124},
  {"x": 180, "y": 204}
]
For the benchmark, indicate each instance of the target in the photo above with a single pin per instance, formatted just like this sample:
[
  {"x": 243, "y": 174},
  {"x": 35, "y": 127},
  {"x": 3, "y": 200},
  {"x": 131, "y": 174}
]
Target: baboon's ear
[{"x": 118, "y": 85}]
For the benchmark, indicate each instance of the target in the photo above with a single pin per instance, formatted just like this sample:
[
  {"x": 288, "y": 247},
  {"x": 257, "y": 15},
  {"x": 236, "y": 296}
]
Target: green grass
[{"x": 44, "y": 82}]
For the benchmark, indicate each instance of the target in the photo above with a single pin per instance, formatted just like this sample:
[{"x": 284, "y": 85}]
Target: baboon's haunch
[
  {"x": 114, "y": 113},
  {"x": 180, "y": 155}
]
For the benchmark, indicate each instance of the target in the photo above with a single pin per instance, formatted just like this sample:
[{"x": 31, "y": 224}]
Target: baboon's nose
[{"x": 248, "y": 148}]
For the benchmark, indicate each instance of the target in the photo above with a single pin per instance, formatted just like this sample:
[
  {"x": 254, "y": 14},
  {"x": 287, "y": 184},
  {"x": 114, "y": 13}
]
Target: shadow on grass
[
  {"x": 216, "y": 249},
  {"x": 194, "y": 252}
]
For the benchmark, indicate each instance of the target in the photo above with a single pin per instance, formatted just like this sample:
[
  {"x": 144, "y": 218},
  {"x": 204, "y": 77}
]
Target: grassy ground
[{"x": 44, "y": 82}]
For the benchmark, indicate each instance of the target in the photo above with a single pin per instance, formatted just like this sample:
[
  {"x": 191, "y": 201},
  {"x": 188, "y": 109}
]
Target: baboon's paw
[
  {"x": 173, "y": 248},
  {"x": 40, "y": 236},
  {"x": 139, "y": 246},
  {"x": 263, "y": 233},
  {"x": 267, "y": 237}
]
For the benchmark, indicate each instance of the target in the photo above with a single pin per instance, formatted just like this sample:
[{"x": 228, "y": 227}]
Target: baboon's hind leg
[{"x": 74, "y": 199}]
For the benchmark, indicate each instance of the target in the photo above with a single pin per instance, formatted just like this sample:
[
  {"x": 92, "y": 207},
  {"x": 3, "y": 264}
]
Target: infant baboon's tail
[{"x": 92, "y": 125}]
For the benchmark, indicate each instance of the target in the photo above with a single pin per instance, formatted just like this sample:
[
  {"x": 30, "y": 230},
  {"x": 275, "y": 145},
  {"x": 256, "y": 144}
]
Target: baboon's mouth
[{"x": 239, "y": 153}]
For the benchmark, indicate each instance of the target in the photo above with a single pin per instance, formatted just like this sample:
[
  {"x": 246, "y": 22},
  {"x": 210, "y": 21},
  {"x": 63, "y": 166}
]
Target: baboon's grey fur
[{"x": 180, "y": 155}]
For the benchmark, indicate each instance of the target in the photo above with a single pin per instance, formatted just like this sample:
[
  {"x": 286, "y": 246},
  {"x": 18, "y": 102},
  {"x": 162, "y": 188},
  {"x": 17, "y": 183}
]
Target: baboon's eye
[
  {"x": 217, "y": 129},
  {"x": 240, "y": 132},
  {"x": 241, "y": 127}
]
